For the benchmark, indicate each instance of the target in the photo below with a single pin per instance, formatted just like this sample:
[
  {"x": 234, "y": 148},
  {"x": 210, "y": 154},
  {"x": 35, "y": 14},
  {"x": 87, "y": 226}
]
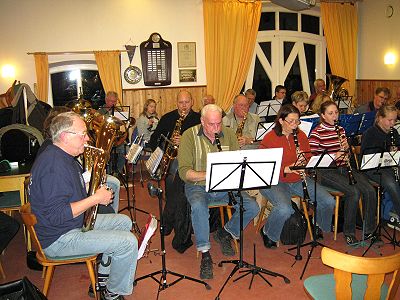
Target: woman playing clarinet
[
  {"x": 383, "y": 137},
  {"x": 292, "y": 182},
  {"x": 328, "y": 137}
]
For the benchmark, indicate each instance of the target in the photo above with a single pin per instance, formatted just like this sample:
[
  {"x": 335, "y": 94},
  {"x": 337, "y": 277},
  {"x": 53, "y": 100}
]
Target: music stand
[
  {"x": 262, "y": 129},
  {"x": 344, "y": 102},
  {"x": 232, "y": 171},
  {"x": 152, "y": 166},
  {"x": 322, "y": 161},
  {"x": 378, "y": 160},
  {"x": 268, "y": 109}
]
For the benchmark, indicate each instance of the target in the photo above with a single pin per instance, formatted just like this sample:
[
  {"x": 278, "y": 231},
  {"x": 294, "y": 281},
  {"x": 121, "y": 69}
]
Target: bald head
[{"x": 184, "y": 102}]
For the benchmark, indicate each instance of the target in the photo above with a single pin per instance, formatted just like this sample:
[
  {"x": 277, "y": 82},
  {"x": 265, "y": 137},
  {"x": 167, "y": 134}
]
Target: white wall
[
  {"x": 377, "y": 35},
  {"x": 79, "y": 25}
]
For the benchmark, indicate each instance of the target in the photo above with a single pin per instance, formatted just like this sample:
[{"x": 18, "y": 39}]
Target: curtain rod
[{"x": 70, "y": 52}]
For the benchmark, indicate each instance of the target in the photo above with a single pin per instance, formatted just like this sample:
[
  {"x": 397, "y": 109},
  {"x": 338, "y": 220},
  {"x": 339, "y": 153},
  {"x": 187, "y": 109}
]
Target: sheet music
[
  {"x": 151, "y": 227},
  {"x": 122, "y": 115},
  {"x": 372, "y": 161},
  {"x": 306, "y": 127},
  {"x": 325, "y": 162},
  {"x": 134, "y": 153},
  {"x": 154, "y": 161},
  {"x": 262, "y": 129},
  {"x": 268, "y": 108}
]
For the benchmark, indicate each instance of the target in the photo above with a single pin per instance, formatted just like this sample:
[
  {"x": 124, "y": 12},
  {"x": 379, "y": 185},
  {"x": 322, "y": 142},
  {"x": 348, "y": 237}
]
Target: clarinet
[
  {"x": 352, "y": 179},
  {"x": 232, "y": 200},
  {"x": 303, "y": 176},
  {"x": 393, "y": 147}
]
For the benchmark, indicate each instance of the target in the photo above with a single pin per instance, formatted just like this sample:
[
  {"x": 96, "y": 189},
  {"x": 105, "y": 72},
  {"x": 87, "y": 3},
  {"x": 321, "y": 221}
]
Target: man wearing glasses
[
  {"x": 381, "y": 96},
  {"x": 58, "y": 198}
]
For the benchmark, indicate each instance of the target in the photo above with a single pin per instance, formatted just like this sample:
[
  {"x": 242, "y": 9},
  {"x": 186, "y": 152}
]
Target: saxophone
[
  {"x": 239, "y": 130},
  {"x": 171, "y": 150},
  {"x": 232, "y": 200},
  {"x": 352, "y": 179},
  {"x": 306, "y": 195},
  {"x": 105, "y": 140},
  {"x": 393, "y": 147}
]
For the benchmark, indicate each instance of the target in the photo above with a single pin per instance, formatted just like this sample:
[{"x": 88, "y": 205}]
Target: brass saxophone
[
  {"x": 232, "y": 200},
  {"x": 306, "y": 195},
  {"x": 393, "y": 147},
  {"x": 352, "y": 179},
  {"x": 171, "y": 151},
  {"x": 239, "y": 130},
  {"x": 107, "y": 134}
]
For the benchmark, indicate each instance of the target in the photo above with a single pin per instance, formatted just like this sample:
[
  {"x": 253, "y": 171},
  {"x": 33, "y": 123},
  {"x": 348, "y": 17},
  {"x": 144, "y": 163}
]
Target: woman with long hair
[
  {"x": 288, "y": 136},
  {"x": 148, "y": 119},
  {"x": 330, "y": 138}
]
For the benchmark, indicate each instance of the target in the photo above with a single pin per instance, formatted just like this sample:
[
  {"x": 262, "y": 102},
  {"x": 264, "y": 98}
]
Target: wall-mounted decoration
[
  {"x": 156, "y": 55},
  {"x": 132, "y": 74},
  {"x": 186, "y": 54},
  {"x": 188, "y": 75}
]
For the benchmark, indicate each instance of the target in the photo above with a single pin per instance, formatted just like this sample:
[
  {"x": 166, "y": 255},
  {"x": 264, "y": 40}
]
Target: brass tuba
[
  {"x": 106, "y": 136},
  {"x": 335, "y": 92}
]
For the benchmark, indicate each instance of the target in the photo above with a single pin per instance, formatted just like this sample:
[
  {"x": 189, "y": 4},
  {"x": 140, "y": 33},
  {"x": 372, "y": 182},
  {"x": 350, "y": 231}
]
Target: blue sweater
[{"x": 56, "y": 181}]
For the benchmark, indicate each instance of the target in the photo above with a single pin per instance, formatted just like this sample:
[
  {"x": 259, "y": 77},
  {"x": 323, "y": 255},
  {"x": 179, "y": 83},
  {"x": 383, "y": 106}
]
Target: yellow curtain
[
  {"x": 109, "y": 65},
  {"x": 340, "y": 24},
  {"x": 42, "y": 76},
  {"x": 230, "y": 31}
]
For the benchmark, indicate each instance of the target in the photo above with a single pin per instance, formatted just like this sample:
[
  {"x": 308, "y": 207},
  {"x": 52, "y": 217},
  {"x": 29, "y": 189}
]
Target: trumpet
[
  {"x": 352, "y": 179},
  {"x": 393, "y": 147},
  {"x": 303, "y": 175}
]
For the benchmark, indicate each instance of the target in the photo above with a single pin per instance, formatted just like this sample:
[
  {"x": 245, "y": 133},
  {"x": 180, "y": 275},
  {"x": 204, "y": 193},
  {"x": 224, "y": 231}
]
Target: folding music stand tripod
[
  {"x": 152, "y": 166},
  {"x": 236, "y": 180}
]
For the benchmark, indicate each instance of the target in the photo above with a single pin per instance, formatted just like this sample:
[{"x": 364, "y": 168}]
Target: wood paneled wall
[
  {"x": 366, "y": 89},
  {"x": 165, "y": 98}
]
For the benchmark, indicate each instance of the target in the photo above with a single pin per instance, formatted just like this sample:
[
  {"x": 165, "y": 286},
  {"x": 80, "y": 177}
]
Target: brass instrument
[
  {"x": 232, "y": 200},
  {"x": 239, "y": 130},
  {"x": 171, "y": 150},
  {"x": 106, "y": 136},
  {"x": 393, "y": 147},
  {"x": 306, "y": 195},
  {"x": 335, "y": 92},
  {"x": 352, "y": 179}
]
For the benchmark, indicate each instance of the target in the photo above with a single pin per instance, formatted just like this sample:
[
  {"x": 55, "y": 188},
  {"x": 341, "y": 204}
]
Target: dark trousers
[{"x": 8, "y": 229}]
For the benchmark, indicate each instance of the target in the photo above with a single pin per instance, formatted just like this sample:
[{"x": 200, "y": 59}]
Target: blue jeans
[
  {"x": 199, "y": 201},
  {"x": 115, "y": 185},
  {"x": 112, "y": 237},
  {"x": 280, "y": 196}
]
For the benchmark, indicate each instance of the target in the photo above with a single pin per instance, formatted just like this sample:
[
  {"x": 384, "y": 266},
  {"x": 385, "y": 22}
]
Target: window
[{"x": 70, "y": 80}]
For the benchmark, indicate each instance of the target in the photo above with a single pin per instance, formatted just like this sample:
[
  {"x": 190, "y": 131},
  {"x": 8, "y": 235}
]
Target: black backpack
[{"x": 295, "y": 228}]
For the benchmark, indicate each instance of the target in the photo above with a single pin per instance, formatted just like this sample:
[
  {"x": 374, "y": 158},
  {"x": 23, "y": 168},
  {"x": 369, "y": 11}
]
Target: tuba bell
[{"x": 335, "y": 92}]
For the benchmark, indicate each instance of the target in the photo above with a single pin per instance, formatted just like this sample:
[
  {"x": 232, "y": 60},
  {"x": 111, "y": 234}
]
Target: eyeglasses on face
[
  {"x": 81, "y": 134},
  {"x": 292, "y": 122}
]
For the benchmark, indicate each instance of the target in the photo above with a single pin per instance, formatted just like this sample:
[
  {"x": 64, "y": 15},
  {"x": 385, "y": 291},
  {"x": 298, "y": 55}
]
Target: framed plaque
[
  {"x": 187, "y": 75},
  {"x": 186, "y": 54}
]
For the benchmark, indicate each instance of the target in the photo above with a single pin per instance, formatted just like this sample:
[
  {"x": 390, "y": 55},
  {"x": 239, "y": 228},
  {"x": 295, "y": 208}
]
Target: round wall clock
[{"x": 132, "y": 74}]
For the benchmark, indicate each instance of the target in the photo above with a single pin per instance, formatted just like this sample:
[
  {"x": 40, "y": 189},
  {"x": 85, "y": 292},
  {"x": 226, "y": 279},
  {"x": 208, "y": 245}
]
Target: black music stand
[
  {"x": 378, "y": 160},
  {"x": 323, "y": 161},
  {"x": 262, "y": 129},
  {"x": 236, "y": 180},
  {"x": 268, "y": 109},
  {"x": 152, "y": 166}
]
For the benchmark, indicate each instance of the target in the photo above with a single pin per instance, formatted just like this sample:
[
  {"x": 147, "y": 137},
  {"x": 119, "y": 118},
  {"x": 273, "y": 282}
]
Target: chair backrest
[
  {"x": 30, "y": 220},
  {"x": 356, "y": 152},
  {"x": 375, "y": 268}
]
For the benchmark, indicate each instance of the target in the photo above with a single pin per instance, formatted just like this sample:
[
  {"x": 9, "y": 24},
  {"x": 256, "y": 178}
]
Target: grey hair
[
  {"x": 210, "y": 107},
  {"x": 250, "y": 92},
  {"x": 112, "y": 93},
  {"x": 62, "y": 123}
]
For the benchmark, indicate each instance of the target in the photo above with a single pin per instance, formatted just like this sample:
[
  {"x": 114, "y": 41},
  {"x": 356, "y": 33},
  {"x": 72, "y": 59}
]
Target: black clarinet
[
  {"x": 303, "y": 176},
  {"x": 393, "y": 147},
  {"x": 232, "y": 200},
  {"x": 352, "y": 179}
]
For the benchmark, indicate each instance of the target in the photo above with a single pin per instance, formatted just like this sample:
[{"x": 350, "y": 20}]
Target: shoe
[
  {"x": 350, "y": 239},
  {"x": 268, "y": 243},
  {"x": 318, "y": 233},
  {"x": 98, "y": 289},
  {"x": 206, "y": 268},
  {"x": 369, "y": 236},
  {"x": 224, "y": 239},
  {"x": 106, "y": 295}
]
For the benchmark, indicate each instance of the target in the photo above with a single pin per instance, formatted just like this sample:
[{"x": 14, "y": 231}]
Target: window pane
[
  {"x": 288, "y": 21},
  {"x": 293, "y": 80},
  {"x": 309, "y": 24},
  {"x": 287, "y": 49},
  {"x": 267, "y": 21},
  {"x": 92, "y": 87},
  {"x": 64, "y": 88},
  {"x": 261, "y": 83},
  {"x": 310, "y": 61},
  {"x": 266, "y": 48}
]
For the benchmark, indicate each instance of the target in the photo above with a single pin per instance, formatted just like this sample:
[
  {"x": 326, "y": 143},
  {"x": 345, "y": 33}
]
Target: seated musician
[
  {"x": 300, "y": 101},
  {"x": 148, "y": 120},
  {"x": 319, "y": 87},
  {"x": 251, "y": 97},
  {"x": 196, "y": 142},
  {"x": 383, "y": 137},
  {"x": 241, "y": 121},
  {"x": 330, "y": 138},
  {"x": 58, "y": 199},
  {"x": 176, "y": 214},
  {"x": 316, "y": 105},
  {"x": 280, "y": 95},
  {"x": 380, "y": 97},
  {"x": 286, "y": 135}
]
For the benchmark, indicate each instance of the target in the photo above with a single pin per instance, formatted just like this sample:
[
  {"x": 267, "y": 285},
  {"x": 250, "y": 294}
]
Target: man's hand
[
  {"x": 104, "y": 195},
  {"x": 176, "y": 139}
]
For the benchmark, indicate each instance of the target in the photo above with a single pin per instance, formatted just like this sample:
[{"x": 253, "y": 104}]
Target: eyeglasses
[
  {"x": 81, "y": 134},
  {"x": 292, "y": 122}
]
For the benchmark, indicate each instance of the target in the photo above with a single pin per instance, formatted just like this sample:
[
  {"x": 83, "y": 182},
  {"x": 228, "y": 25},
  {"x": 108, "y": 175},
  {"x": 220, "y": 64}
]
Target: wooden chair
[
  {"x": 228, "y": 208},
  {"x": 49, "y": 263},
  {"x": 355, "y": 277}
]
